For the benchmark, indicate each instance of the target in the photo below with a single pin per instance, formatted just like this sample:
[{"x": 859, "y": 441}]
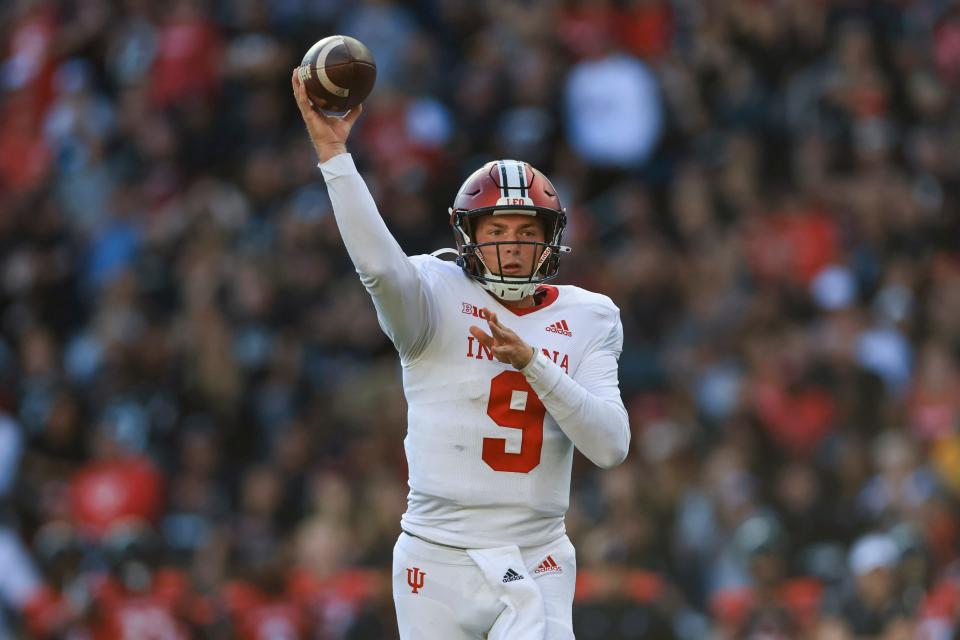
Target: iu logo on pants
[{"x": 415, "y": 579}]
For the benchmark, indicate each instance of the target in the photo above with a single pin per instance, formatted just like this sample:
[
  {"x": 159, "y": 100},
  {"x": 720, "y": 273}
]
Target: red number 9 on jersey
[{"x": 514, "y": 404}]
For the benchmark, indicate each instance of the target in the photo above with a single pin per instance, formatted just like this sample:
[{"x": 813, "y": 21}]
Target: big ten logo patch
[{"x": 472, "y": 310}]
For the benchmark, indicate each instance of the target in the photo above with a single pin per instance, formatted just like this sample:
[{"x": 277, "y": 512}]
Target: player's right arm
[{"x": 399, "y": 293}]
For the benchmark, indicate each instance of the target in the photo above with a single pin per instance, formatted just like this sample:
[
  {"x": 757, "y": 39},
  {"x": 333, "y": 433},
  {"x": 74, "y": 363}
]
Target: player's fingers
[
  {"x": 300, "y": 94},
  {"x": 501, "y": 332},
  {"x": 297, "y": 85},
  {"x": 492, "y": 321},
  {"x": 482, "y": 336},
  {"x": 303, "y": 101},
  {"x": 353, "y": 114},
  {"x": 504, "y": 329}
]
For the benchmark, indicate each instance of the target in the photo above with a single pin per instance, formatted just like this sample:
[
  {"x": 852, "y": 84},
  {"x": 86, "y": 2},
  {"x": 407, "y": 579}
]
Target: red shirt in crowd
[
  {"x": 187, "y": 60},
  {"x": 106, "y": 492},
  {"x": 256, "y": 615},
  {"x": 791, "y": 246},
  {"x": 149, "y": 615}
]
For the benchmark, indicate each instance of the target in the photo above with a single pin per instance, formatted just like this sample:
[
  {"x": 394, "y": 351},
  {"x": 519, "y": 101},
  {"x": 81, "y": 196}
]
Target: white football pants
[{"x": 442, "y": 593}]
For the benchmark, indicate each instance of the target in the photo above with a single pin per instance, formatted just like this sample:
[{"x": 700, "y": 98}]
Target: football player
[{"x": 503, "y": 375}]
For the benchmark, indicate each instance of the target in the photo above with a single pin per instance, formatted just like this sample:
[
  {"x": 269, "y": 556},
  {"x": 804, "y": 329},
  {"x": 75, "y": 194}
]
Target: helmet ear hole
[{"x": 550, "y": 265}]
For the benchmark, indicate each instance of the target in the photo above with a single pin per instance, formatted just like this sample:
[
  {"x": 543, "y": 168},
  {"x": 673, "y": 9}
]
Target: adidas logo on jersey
[
  {"x": 511, "y": 576},
  {"x": 561, "y": 328},
  {"x": 549, "y": 565}
]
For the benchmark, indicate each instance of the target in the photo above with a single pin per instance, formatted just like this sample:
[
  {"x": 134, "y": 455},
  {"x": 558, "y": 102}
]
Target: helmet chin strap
[{"x": 507, "y": 290}]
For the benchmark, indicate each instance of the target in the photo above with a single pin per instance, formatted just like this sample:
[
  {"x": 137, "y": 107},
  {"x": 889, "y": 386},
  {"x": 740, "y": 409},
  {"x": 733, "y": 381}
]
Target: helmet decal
[{"x": 513, "y": 183}]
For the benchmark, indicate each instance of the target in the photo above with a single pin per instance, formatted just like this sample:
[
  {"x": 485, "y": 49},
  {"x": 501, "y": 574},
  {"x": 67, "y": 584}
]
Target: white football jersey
[
  {"x": 489, "y": 465},
  {"x": 489, "y": 448}
]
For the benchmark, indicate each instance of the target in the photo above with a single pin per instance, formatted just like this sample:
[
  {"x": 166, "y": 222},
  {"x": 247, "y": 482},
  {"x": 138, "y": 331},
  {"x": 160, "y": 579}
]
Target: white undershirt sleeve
[
  {"x": 587, "y": 407},
  {"x": 399, "y": 293}
]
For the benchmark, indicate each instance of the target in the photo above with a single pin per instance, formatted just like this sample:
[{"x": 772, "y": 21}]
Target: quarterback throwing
[{"x": 503, "y": 375}]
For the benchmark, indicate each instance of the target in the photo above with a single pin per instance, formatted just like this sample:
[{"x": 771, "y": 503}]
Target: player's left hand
[{"x": 506, "y": 345}]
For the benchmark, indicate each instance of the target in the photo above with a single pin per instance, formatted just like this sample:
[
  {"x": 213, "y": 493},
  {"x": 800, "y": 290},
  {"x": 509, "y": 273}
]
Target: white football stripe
[
  {"x": 504, "y": 181},
  {"x": 322, "y": 73},
  {"x": 513, "y": 179}
]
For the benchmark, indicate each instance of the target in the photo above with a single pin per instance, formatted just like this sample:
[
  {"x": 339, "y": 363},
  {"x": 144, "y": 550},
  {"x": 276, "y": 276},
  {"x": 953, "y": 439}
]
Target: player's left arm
[{"x": 587, "y": 407}]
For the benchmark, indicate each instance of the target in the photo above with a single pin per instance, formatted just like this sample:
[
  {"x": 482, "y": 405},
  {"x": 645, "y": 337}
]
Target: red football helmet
[{"x": 508, "y": 187}]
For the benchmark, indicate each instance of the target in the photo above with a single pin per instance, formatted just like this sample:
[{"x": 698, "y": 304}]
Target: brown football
[{"x": 338, "y": 73}]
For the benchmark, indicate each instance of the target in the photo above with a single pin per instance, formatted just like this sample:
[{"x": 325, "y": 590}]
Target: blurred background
[{"x": 201, "y": 428}]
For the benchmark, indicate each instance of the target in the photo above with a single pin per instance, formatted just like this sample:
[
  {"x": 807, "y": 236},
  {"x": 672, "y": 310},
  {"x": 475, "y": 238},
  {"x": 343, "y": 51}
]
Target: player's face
[{"x": 515, "y": 259}]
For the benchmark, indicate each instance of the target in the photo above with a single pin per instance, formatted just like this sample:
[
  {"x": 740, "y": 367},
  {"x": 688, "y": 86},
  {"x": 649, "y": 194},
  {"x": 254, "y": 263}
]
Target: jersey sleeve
[
  {"x": 400, "y": 293},
  {"x": 588, "y": 407}
]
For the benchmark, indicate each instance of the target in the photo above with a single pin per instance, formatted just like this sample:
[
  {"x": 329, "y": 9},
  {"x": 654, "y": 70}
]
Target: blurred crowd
[{"x": 201, "y": 426}]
